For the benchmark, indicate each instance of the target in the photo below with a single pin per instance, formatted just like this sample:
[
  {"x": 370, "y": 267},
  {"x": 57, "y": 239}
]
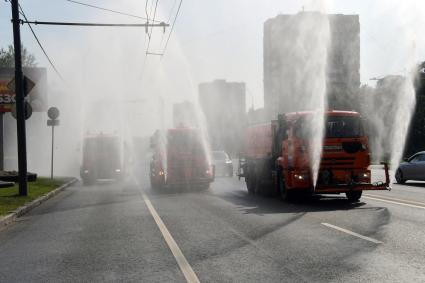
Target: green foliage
[
  {"x": 7, "y": 57},
  {"x": 10, "y": 199}
]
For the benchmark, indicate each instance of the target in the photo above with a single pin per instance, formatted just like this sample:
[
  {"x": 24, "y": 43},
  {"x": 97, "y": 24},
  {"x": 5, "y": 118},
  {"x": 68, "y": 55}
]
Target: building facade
[
  {"x": 224, "y": 106},
  {"x": 184, "y": 115},
  {"x": 293, "y": 62}
]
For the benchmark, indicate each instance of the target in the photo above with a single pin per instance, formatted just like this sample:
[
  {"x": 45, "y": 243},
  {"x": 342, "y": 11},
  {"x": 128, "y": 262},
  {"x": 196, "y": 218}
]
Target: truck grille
[{"x": 337, "y": 161}]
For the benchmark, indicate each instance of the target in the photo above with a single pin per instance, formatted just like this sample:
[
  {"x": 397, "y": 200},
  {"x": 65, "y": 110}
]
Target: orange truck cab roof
[{"x": 296, "y": 115}]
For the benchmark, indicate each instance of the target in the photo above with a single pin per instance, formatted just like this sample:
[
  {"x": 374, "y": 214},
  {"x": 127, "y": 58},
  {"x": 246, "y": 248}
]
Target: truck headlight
[
  {"x": 117, "y": 170},
  {"x": 86, "y": 171},
  {"x": 301, "y": 177},
  {"x": 364, "y": 175}
]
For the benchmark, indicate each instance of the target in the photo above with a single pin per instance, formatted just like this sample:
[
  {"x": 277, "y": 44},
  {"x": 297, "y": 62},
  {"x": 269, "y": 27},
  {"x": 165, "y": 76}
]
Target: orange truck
[
  {"x": 180, "y": 159},
  {"x": 102, "y": 158},
  {"x": 276, "y": 157}
]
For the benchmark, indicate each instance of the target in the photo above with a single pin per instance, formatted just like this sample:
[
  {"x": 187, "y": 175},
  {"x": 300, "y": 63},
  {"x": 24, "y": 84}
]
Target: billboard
[{"x": 37, "y": 97}]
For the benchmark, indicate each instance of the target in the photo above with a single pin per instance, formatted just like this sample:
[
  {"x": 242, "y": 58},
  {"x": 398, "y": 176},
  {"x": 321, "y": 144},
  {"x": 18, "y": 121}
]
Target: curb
[{"x": 10, "y": 218}]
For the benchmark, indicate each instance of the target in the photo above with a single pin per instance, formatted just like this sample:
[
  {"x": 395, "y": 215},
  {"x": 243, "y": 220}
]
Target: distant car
[
  {"x": 223, "y": 164},
  {"x": 412, "y": 169}
]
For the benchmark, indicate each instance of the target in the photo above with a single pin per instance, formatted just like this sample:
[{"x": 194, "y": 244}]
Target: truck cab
[
  {"x": 344, "y": 160},
  {"x": 102, "y": 158},
  {"x": 278, "y": 155},
  {"x": 180, "y": 158}
]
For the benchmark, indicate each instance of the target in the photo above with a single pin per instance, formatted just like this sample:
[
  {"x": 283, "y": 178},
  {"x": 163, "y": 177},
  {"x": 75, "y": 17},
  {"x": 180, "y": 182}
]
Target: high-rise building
[
  {"x": 184, "y": 115},
  {"x": 224, "y": 106},
  {"x": 290, "y": 55}
]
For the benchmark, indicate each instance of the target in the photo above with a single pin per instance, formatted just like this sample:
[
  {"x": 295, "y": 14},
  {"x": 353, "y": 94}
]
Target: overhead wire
[
  {"x": 154, "y": 14},
  {"x": 41, "y": 46},
  {"x": 172, "y": 27},
  {"x": 147, "y": 19},
  {"x": 92, "y": 24},
  {"x": 108, "y": 10},
  {"x": 169, "y": 18},
  {"x": 171, "y": 11},
  {"x": 150, "y": 35}
]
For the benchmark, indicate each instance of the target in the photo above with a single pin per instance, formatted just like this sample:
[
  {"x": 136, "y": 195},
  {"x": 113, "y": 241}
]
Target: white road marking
[
  {"x": 352, "y": 233},
  {"x": 397, "y": 201},
  {"x": 184, "y": 265}
]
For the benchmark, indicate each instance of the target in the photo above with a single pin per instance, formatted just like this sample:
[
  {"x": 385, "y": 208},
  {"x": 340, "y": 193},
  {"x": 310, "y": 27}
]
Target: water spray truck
[
  {"x": 277, "y": 157},
  {"x": 180, "y": 159},
  {"x": 102, "y": 158}
]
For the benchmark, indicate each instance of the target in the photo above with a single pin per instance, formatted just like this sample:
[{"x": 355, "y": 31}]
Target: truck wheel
[
  {"x": 155, "y": 183},
  {"x": 230, "y": 174},
  {"x": 284, "y": 194},
  {"x": 88, "y": 181},
  {"x": 354, "y": 196},
  {"x": 251, "y": 182},
  {"x": 204, "y": 186},
  {"x": 258, "y": 188}
]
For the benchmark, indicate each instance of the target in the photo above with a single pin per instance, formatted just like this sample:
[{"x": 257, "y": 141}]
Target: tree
[{"x": 7, "y": 57}]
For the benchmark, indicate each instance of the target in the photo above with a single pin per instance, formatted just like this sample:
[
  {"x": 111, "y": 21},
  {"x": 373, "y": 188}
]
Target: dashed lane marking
[
  {"x": 352, "y": 233},
  {"x": 396, "y": 201},
  {"x": 184, "y": 265}
]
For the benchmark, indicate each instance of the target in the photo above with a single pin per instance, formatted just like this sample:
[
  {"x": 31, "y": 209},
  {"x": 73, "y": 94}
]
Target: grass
[{"x": 10, "y": 199}]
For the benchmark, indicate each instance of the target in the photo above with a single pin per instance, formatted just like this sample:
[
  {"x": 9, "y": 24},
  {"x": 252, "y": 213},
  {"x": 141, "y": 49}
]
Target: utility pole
[
  {"x": 20, "y": 101},
  {"x": 53, "y": 146}
]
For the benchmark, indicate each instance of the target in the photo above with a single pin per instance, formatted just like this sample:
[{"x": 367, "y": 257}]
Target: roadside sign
[
  {"x": 35, "y": 88},
  {"x": 52, "y": 123},
  {"x": 28, "y": 85},
  {"x": 7, "y": 98},
  {"x": 27, "y": 108},
  {"x": 53, "y": 113}
]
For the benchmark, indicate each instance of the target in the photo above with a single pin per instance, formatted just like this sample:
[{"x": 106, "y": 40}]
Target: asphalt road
[{"x": 107, "y": 232}]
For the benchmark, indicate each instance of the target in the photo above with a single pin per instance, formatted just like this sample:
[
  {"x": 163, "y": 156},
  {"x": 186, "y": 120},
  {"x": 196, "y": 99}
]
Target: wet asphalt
[{"x": 105, "y": 233}]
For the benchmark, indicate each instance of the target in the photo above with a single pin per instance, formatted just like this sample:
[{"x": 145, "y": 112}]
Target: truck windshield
[
  {"x": 343, "y": 127},
  {"x": 184, "y": 141},
  {"x": 102, "y": 150},
  {"x": 336, "y": 127}
]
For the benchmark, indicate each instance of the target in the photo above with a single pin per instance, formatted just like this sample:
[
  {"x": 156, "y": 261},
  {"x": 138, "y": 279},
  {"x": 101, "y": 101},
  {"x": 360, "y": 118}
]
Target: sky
[
  {"x": 222, "y": 39},
  {"x": 110, "y": 85}
]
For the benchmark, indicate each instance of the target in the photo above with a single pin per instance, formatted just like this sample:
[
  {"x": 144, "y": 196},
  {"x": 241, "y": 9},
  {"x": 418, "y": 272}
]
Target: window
[
  {"x": 344, "y": 127},
  {"x": 421, "y": 158},
  {"x": 417, "y": 158},
  {"x": 335, "y": 127}
]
